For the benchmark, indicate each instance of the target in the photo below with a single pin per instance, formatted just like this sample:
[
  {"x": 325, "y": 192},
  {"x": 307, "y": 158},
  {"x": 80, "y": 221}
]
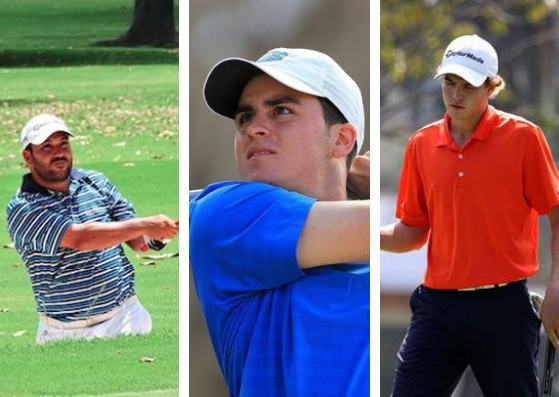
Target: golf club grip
[{"x": 547, "y": 381}]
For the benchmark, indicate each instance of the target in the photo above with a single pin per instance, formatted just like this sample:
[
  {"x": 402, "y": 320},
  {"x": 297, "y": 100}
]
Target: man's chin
[{"x": 61, "y": 176}]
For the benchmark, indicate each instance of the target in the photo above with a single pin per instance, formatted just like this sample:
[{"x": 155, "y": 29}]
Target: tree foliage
[{"x": 414, "y": 34}]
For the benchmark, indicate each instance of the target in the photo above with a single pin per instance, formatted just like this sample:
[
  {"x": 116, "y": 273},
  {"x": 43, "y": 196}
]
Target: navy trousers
[{"x": 495, "y": 331}]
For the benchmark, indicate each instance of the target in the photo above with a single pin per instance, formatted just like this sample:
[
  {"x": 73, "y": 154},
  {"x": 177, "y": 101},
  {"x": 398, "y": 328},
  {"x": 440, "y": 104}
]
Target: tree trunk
[{"x": 153, "y": 26}]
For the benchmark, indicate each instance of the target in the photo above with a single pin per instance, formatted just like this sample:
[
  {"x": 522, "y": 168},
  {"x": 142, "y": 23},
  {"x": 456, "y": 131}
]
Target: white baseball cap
[
  {"x": 307, "y": 71},
  {"x": 471, "y": 58},
  {"x": 39, "y": 128}
]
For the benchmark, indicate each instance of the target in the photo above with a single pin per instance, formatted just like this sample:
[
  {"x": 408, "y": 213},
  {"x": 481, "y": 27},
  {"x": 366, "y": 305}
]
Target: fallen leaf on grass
[
  {"x": 4, "y": 310},
  {"x": 149, "y": 263},
  {"x": 19, "y": 333},
  {"x": 146, "y": 359},
  {"x": 8, "y": 246},
  {"x": 165, "y": 134},
  {"x": 160, "y": 256},
  {"x": 18, "y": 264}
]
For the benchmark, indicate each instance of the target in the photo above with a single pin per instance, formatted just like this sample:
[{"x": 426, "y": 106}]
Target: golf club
[
  {"x": 549, "y": 359},
  {"x": 192, "y": 194}
]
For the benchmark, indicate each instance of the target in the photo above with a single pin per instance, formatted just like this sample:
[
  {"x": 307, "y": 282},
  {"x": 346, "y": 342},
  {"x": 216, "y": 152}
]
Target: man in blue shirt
[
  {"x": 68, "y": 225},
  {"x": 280, "y": 258}
]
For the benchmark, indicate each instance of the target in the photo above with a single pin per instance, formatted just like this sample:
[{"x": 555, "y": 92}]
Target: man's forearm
[
  {"x": 548, "y": 312},
  {"x": 399, "y": 237},
  {"x": 335, "y": 232},
  {"x": 100, "y": 235}
]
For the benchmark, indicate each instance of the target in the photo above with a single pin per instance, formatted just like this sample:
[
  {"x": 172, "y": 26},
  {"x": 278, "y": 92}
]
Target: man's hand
[
  {"x": 359, "y": 178},
  {"x": 155, "y": 245},
  {"x": 160, "y": 227}
]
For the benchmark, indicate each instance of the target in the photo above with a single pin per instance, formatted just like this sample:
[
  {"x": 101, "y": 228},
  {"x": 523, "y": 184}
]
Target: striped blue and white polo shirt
[{"x": 71, "y": 285}]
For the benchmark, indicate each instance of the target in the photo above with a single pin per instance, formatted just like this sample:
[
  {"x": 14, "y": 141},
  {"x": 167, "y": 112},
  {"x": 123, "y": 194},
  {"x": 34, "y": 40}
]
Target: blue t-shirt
[{"x": 276, "y": 330}]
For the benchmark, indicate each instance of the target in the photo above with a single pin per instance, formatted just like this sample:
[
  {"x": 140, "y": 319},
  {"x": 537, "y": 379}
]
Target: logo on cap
[
  {"x": 272, "y": 56},
  {"x": 38, "y": 126},
  {"x": 451, "y": 53}
]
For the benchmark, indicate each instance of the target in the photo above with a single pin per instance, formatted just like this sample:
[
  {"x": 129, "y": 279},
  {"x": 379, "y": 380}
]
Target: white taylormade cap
[
  {"x": 307, "y": 71},
  {"x": 471, "y": 58},
  {"x": 39, "y": 128}
]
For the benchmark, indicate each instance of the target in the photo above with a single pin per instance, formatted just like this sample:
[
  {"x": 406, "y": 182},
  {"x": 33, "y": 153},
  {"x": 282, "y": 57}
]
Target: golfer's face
[
  {"x": 282, "y": 137},
  {"x": 463, "y": 101},
  {"x": 51, "y": 161}
]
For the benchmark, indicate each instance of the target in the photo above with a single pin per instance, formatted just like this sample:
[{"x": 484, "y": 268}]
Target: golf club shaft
[
  {"x": 192, "y": 194},
  {"x": 549, "y": 359},
  {"x": 547, "y": 377}
]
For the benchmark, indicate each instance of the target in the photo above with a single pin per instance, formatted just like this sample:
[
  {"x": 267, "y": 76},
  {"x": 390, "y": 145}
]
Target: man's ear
[
  {"x": 26, "y": 154},
  {"x": 345, "y": 137}
]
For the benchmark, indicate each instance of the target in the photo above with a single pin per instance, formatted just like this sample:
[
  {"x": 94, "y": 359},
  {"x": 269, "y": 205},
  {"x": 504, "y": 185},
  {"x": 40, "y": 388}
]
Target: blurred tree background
[
  {"x": 413, "y": 36},
  {"x": 249, "y": 28}
]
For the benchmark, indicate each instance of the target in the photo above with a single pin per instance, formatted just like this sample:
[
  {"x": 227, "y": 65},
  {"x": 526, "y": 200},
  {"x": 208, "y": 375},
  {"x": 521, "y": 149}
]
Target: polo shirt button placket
[{"x": 460, "y": 157}]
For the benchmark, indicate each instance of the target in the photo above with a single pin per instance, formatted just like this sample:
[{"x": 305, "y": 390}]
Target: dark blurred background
[{"x": 249, "y": 28}]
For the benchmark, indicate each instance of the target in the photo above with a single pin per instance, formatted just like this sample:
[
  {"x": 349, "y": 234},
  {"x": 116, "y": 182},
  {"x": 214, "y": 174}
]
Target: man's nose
[
  {"x": 457, "y": 92},
  {"x": 259, "y": 126}
]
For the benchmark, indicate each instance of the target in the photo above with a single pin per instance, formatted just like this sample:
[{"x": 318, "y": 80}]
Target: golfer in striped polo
[{"x": 68, "y": 225}]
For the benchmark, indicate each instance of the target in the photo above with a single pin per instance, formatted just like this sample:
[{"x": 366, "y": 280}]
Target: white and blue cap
[
  {"x": 471, "y": 58},
  {"x": 40, "y": 127},
  {"x": 307, "y": 71}
]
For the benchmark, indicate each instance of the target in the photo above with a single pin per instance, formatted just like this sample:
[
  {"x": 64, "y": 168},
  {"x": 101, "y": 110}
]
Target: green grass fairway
[
  {"x": 122, "y": 105},
  {"x": 61, "y": 32}
]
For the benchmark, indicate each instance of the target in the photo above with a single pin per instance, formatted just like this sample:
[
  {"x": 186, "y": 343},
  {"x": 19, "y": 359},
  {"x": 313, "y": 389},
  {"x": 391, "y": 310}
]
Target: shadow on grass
[
  {"x": 93, "y": 55},
  {"x": 12, "y": 102}
]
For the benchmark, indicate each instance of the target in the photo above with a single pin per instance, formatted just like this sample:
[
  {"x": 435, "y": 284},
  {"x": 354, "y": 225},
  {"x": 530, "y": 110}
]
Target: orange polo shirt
[{"x": 480, "y": 201}]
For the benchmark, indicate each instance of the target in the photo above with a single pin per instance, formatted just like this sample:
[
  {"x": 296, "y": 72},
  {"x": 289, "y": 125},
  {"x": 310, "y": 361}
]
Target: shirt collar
[
  {"x": 30, "y": 186},
  {"x": 482, "y": 131}
]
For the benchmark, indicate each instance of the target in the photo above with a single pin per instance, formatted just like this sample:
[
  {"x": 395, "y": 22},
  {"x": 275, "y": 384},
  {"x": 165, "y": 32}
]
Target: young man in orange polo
[{"x": 472, "y": 186}]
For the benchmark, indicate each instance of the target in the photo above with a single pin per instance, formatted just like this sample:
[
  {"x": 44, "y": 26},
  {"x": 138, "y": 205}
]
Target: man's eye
[
  {"x": 243, "y": 118},
  {"x": 282, "y": 110}
]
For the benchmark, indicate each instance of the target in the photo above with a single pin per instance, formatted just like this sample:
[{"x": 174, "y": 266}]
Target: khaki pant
[{"x": 130, "y": 318}]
